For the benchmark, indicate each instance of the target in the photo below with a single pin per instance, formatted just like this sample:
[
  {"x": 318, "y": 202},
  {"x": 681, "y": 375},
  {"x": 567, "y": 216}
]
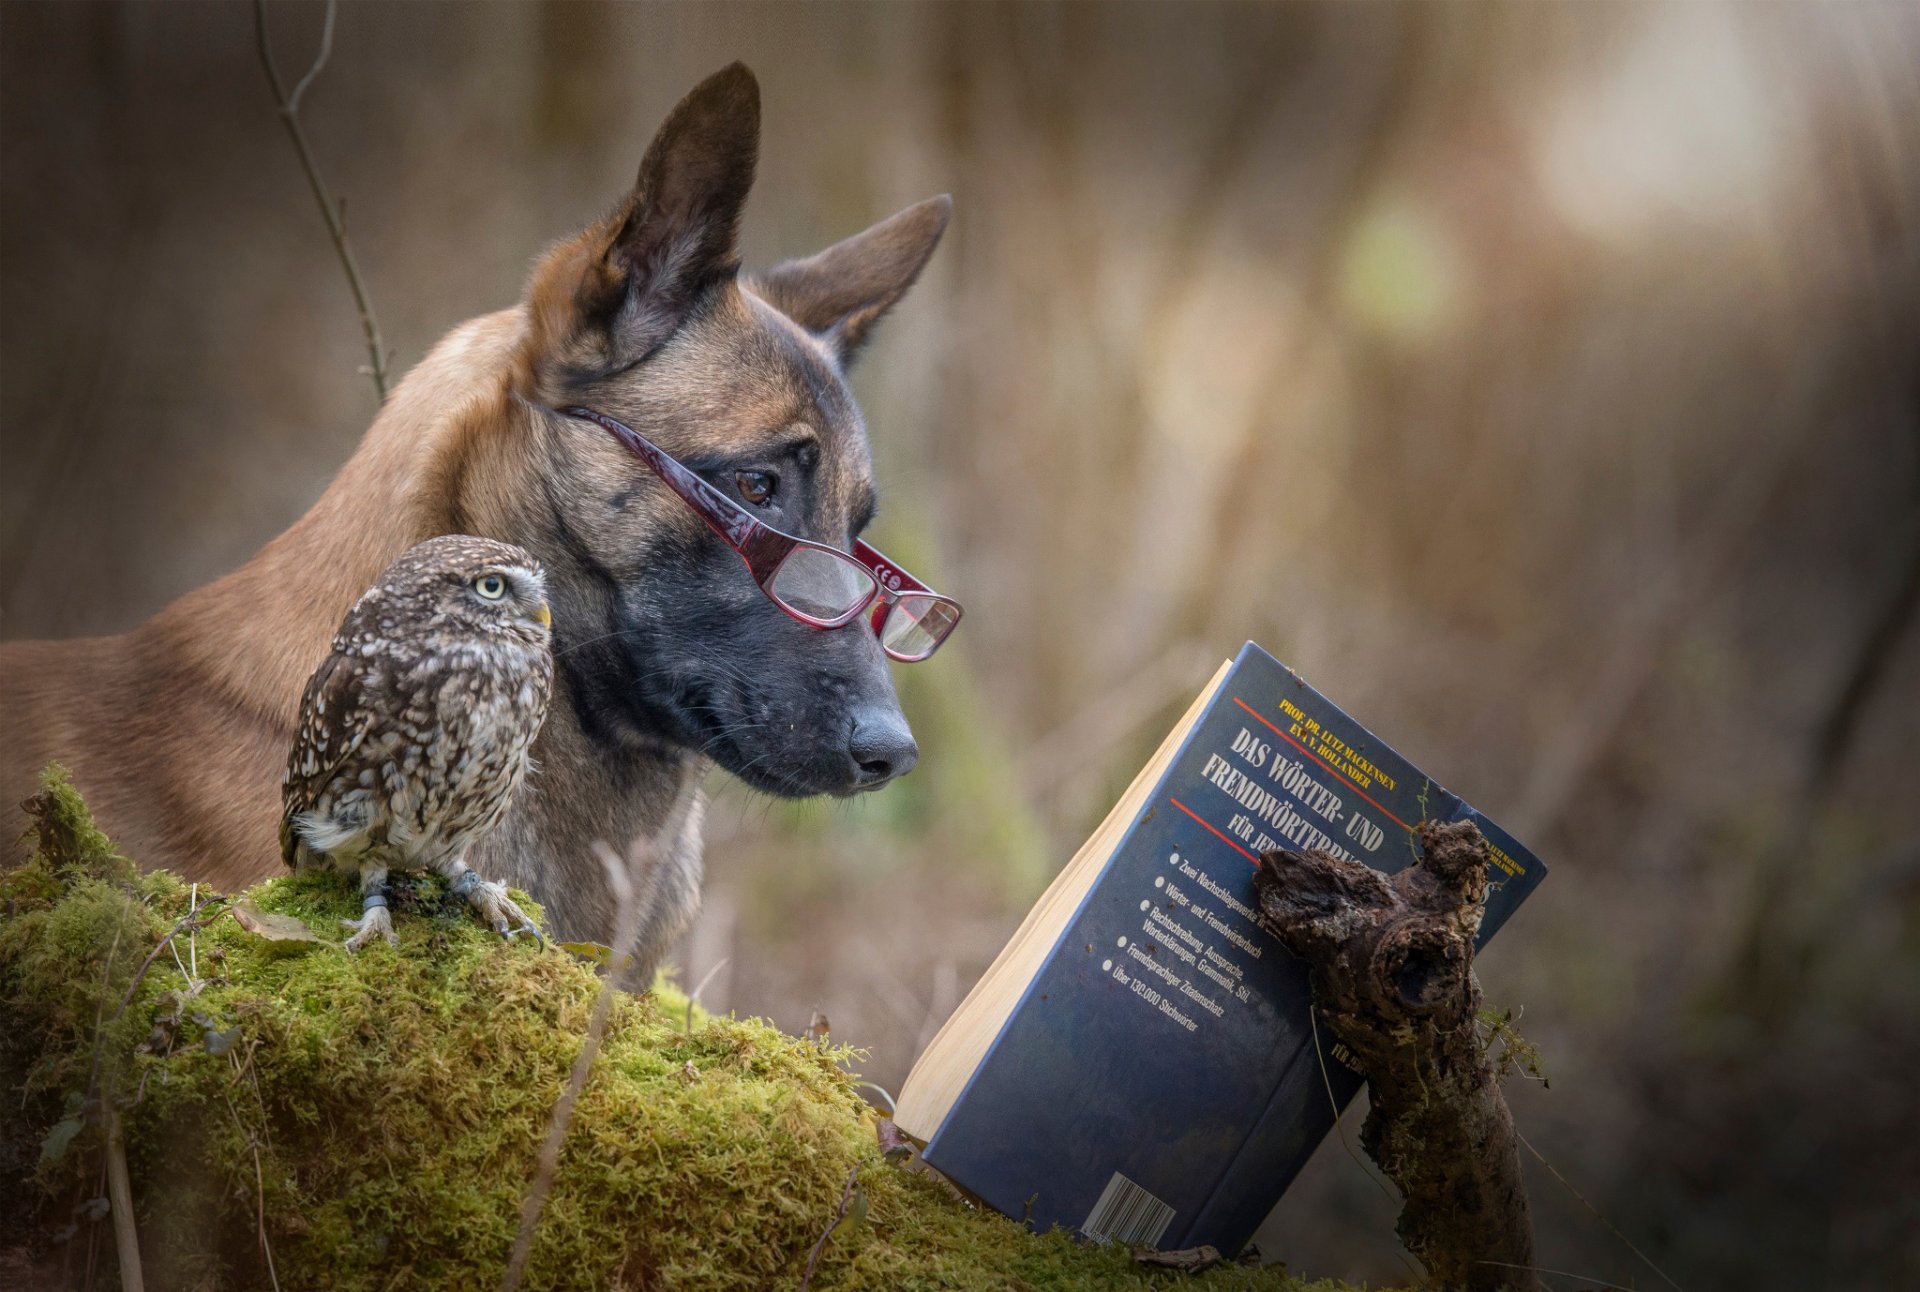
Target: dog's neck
[{"x": 277, "y": 613}]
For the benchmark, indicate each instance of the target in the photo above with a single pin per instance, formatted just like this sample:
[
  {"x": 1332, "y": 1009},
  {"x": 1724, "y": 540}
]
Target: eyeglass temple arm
[
  {"x": 725, "y": 517},
  {"x": 886, "y": 569}
]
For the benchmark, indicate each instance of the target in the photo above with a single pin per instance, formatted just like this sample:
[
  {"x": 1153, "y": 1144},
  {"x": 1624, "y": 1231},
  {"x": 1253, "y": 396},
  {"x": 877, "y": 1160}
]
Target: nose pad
[{"x": 880, "y": 747}]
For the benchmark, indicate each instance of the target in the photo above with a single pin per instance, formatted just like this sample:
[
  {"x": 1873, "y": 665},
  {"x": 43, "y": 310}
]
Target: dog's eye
[
  {"x": 756, "y": 487},
  {"x": 490, "y": 586}
]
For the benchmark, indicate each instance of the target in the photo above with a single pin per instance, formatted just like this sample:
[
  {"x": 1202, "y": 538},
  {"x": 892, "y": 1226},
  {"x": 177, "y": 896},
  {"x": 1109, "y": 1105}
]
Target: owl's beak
[{"x": 544, "y": 615}]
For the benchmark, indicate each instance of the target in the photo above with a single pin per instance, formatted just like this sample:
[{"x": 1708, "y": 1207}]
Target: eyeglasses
[{"x": 820, "y": 586}]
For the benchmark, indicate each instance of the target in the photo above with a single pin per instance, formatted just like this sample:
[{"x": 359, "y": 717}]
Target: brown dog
[{"x": 670, "y": 659}]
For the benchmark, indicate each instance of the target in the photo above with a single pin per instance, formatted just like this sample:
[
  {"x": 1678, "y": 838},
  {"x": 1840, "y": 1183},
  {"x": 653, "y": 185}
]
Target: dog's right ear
[{"x": 608, "y": 298}]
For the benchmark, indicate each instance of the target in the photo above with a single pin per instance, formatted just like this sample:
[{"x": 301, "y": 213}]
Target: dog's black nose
[{"x": 880, "y": 747}]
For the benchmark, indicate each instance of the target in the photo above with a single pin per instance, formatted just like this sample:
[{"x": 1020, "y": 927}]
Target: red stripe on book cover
[
  {"x": 1318, "y": 759},
  {"x": 1215, "y": 833}
]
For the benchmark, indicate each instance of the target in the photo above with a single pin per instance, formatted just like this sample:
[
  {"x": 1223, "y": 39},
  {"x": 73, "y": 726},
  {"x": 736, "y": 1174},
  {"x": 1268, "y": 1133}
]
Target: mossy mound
[{"x": 378, "y": 1117}]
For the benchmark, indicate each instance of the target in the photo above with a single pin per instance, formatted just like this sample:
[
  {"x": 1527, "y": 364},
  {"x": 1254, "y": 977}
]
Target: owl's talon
[
  {"x": 528, "y": 930},
  {"x": 500, "y": 912},
  {"x": 376, "y": 923}
]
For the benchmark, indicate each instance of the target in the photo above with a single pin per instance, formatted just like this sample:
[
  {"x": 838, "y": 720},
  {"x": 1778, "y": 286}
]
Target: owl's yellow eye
[{"x": 490, "y": 586}]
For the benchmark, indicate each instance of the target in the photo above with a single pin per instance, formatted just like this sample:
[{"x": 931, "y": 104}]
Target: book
[{"x": 1140, "y": 1063}]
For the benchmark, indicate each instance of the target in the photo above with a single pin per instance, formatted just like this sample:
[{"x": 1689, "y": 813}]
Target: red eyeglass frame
[{"x": 765, "y": 549}]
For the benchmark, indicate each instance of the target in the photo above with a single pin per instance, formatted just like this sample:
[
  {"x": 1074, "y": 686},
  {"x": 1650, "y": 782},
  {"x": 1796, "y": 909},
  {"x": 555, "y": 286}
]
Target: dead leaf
[
  {"x": 818, "y": 1027},
  {"x": 893, "y": 1145},
  {"x": 284, "y": 934}
]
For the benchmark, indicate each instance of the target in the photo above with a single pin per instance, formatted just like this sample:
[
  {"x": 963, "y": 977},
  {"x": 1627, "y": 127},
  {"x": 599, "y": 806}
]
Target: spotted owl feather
[{"x": 333, "y": 725}]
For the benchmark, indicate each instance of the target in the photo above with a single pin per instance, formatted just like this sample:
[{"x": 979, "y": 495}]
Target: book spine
[{"x": 931, "y": 1154}]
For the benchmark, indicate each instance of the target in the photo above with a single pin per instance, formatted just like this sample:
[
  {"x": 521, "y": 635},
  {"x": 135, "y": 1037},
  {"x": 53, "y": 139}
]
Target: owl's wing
[{"x": 334, "y": 721}]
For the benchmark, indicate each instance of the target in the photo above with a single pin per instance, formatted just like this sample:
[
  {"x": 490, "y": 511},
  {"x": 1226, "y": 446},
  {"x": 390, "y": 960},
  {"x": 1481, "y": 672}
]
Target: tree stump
[{"x": 1391, "y": 958}]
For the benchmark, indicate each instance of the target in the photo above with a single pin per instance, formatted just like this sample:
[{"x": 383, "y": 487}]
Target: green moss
[{"x": 380, "y": 1115}]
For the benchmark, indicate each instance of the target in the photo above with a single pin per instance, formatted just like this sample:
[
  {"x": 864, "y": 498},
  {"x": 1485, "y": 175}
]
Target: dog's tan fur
[{"x": 177, "y": 731}]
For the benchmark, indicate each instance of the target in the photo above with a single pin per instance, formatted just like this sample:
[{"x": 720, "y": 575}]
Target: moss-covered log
[
  {"x": 1392, "y": 968},
  {"x": 374, "y": 1120}
]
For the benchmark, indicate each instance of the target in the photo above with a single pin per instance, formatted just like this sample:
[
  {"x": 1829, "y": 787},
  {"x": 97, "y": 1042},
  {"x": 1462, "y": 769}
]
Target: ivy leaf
[
  {"x": 54, "y": 1146},
  {"x": 220, "y": 1042},
  {"x": 856, "y": 1216},
  {"x": 595, "y": 953}
]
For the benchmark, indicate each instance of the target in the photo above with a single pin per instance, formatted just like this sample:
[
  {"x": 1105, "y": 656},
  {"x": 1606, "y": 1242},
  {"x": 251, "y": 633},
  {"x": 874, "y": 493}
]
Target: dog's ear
[
  {"x": 841, "y": 293},
  {"x": 610, "y": 297}
]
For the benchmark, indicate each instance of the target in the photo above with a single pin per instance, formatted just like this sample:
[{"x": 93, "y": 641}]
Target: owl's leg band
[{"x": 374, "y": 921}]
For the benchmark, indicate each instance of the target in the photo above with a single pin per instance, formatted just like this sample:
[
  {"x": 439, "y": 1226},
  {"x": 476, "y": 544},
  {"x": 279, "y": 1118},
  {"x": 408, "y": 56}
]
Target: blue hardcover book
[{"x": 1139, "y": 1063}]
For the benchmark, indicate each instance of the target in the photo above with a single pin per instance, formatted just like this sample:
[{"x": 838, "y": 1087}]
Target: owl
[{"x": 414, "y": 731}]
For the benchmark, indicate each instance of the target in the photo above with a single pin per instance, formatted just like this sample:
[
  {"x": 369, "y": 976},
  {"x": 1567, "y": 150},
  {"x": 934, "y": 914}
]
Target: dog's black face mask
[
  {"x": 661, "y": 635},
  {"x": 706, "y": 662},
  {"x": 690, "y": 651}
]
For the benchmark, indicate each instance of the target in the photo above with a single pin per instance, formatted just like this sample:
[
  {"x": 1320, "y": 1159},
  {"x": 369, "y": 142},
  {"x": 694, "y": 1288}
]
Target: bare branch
[
  {"x": 333, "y": 212},
  {"x": 126, "y": 1239}
]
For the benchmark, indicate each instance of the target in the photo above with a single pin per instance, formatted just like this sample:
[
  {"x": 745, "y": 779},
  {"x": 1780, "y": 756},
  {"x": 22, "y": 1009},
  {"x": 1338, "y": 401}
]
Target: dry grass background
[{"x": 1542, "y": 382}]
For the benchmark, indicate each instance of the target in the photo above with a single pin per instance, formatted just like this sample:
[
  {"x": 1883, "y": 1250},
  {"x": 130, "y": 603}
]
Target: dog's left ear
[
  {"x": 608, "y": 298},
  {"x": 841, "y": 293}
]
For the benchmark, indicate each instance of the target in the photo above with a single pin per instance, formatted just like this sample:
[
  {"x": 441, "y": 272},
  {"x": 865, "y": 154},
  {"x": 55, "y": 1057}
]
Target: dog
[{"x": 669, "y": 659}]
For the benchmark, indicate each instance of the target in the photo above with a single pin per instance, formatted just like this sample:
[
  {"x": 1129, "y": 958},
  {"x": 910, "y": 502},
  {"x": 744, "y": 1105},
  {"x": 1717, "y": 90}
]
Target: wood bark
[{"x": 1391, "y": 958}]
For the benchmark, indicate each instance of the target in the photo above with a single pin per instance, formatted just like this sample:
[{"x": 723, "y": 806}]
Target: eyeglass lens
[
  {"x": 916, "y": 625},
  {"x": 820, "y": 584}
]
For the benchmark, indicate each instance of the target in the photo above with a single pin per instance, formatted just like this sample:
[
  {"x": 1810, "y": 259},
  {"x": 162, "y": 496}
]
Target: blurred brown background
[{"x": 1542, "y": 382}]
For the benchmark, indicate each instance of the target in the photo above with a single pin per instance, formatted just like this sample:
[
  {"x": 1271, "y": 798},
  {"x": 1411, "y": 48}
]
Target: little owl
[{"x": 414, "y": 730}]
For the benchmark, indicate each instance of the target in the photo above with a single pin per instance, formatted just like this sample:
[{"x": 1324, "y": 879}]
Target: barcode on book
[{"x": 1127, "y": 1213}]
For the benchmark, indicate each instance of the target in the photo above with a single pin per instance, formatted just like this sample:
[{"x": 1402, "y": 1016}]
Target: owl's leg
[
  {"x": 502, "y": 914},
  {"x": 374, "y": 921}
]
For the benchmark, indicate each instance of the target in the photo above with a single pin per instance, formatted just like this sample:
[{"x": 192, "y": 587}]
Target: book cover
[{"x": 1157, "y": 1082}]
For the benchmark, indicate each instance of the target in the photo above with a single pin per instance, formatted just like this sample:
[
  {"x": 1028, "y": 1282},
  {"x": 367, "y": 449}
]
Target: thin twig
[
  {"x": 694, "y": 995},
  {"x": 319, "y": 60},
  {"x": 1608, "y": 1284},
  {"x": 881, "y": 1091},
  {"x": 620, "y": 877},
  {"x": 99, "y": 1022},
  {"x": 182, "y": 966},
  {"x": 260, "y": 1213},
  {"x": 1647, "y": 1260},
  {"x": 330, "y": 210},
  {"x": 259, "y": 1191},
  {"x": 141, "y": 972},
  {"x": 93, "y": 1229},
  {"x": 846, "y": 1196}
]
